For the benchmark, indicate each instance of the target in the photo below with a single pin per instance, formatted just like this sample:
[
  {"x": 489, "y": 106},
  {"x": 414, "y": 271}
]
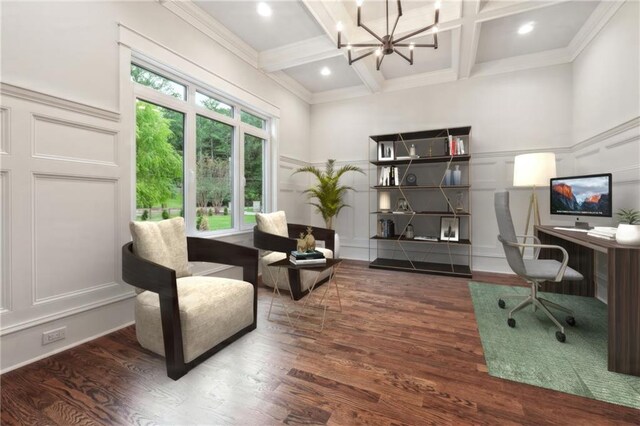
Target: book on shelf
[
  {"x": 306, "y": 255},
  {"x": 307, "y": 262},
  {"x": 389, "y": 176}
]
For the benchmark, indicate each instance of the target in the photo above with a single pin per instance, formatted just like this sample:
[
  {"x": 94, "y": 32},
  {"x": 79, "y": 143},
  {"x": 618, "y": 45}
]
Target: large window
[{"x": 198, "y": 155}]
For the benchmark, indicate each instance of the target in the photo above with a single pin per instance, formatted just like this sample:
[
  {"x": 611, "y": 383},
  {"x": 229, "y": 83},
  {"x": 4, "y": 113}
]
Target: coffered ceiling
[{"x": 478, "y": 37}]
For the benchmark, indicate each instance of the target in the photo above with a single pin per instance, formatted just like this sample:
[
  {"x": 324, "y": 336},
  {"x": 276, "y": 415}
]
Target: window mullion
[{"x": 190, "y": 166}]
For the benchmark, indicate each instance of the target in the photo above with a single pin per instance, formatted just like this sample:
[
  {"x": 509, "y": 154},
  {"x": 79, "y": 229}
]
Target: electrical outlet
[{"x": 54, "y": 335}]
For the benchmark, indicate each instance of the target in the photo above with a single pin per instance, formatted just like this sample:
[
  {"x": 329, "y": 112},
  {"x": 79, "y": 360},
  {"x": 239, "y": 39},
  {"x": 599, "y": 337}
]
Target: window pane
[
  {"x": 159, "y": 162},
  {"x": 157, "y": 82},
  {"x": 214, "y": 160},
  {"x": 213, "y": 104},
  {"x": 253, "y": 120},
  {"x": 254, "y": 154}
]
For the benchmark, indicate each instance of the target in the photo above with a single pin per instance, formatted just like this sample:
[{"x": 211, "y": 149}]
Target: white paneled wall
[{"x": 62, "y": 199}]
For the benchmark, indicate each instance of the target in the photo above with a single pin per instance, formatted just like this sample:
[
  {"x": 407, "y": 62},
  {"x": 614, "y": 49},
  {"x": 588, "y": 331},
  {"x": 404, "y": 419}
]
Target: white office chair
[{"x": 534, "y": 271}]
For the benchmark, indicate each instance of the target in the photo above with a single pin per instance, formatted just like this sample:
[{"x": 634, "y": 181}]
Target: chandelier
[{"x": 387, "y": 44}]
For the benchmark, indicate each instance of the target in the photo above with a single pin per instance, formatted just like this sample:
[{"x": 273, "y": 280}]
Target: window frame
[{"x": 190, "y": 110}]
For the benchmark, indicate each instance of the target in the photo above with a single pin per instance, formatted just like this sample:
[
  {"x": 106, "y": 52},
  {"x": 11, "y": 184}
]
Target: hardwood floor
[{"x": 405, "y": 350}]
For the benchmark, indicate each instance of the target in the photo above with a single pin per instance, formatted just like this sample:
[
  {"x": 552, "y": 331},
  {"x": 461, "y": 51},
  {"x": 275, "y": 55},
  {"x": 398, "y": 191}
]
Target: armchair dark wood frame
[
  {"x": 271, "y": 242},
  {"x": 162, "y": 280}
]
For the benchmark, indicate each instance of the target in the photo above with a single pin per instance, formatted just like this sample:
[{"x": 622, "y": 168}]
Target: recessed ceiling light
[
  {"x": 264, "y": 9},
  {"x": 526, "y": 28},
  {"x": 325, "y": 71}
]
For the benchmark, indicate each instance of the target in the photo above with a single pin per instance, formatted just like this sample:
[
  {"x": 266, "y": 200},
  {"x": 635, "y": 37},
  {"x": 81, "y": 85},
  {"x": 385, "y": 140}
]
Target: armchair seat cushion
[
  {"x": 211, "y": 310},
  {"x": 269, "y": 274}
]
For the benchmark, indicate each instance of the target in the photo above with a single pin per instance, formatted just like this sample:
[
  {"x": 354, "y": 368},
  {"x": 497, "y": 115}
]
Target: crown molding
[
  {"x": 298, "y": 53},
  {"x": 340, "y": 94},
  {"x": 14, "y": 91},
  {"x": 598, "y": 19},
  {"x": 211, "y": 27},
  {"x": 292, "y": 85},
  {"x": 523, "y": 62}
]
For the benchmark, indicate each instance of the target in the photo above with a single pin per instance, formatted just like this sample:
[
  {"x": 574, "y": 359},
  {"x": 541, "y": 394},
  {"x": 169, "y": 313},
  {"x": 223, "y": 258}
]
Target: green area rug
[{"x": 530, "y": 353}]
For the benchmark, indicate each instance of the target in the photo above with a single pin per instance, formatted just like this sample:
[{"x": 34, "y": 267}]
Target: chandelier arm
[
  {"x": 371, "y": 32},
  {"x": 415, "y": 33},
  {"x": 351, "y": 61},
  {"x": 415, "y": 45},
  {"x": 410, "y": 60},
  {"x": 379, "y": 60},
  {"x": 397, "y": 19},
  {"x": 435, "y": 40},
  {"x": 364, "y": 45}
]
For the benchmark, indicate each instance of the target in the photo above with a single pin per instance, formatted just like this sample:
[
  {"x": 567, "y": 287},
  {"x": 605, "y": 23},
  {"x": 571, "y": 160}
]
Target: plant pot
[{"x": 628, "y": 234}]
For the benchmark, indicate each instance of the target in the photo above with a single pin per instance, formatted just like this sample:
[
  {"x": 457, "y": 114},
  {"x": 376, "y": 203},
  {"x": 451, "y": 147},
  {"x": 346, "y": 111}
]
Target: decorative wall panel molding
[
  {"x": 5, "y": 241},
  {"x": 57, "y": 102},
  {"x": 58, "y": 139},
  {"x": 75, "y": 221},
  {"x": 5, "y": 130}
]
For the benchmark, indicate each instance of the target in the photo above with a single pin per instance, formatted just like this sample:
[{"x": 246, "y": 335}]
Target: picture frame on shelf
[
  {"x": 386, "y": 151},
  {"x": 449, "y": 228}
]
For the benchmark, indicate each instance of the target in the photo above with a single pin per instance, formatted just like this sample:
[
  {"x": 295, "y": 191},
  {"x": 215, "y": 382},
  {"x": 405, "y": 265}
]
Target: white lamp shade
[
  {"x": 385, "y": 201},
  {"x": 534, "y": 169}
]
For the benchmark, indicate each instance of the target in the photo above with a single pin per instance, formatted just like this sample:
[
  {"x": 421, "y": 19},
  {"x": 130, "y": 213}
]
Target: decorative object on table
[
  {"x": 409, "y": 233},
  {"x": 629, "y": 227},
  {"x": 459, "y": 202},
  {"x": 309, "y": 238},
  {"x": 456, "y": 176},
  {"x": 402, "y": 205},
  {"x": 384, "y": 201},
  {"x": 449, "y": 228},
  {"x": 533, "y": 170},
  {"x": 386, "y": 151},
  {"x": 302, "y": 243},
  {"x": 411, "y": 180},
  {"x": 328, "y": 191},
  {"x": 390, "y": 43}
]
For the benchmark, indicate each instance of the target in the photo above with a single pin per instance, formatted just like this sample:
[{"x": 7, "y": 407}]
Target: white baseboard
[{"x": 24, "y": 347}]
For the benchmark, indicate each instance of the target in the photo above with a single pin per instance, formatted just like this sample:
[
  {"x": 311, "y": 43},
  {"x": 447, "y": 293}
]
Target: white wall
[
  {"x": 66, "y": 119},
  {"x": 509, "y": 113},
  {"x": 606, "y": 76}
]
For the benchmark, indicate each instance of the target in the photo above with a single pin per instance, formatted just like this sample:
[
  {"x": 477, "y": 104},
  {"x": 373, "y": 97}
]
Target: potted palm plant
[
  {"x": 328, "y": 192},
  {"x": 629, "y": 228}
]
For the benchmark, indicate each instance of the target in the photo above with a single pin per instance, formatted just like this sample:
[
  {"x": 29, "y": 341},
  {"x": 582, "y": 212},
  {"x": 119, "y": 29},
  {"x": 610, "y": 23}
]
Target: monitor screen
[{"x": 582, "y": 195}]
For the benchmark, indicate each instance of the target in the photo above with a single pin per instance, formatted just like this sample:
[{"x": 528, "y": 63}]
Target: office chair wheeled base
[{"x": 544, "y": 305}]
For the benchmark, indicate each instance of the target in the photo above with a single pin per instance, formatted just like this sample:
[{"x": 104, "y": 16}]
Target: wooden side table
[{"x": 285, "y": 265}]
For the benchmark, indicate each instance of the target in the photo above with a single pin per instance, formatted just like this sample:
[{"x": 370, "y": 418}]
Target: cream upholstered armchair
[
  {"x": 277, "y": 239},
  {"x": 187, "y": 318}
]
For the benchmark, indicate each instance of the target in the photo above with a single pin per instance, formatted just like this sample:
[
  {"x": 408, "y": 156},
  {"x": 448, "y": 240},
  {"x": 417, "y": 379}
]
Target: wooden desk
[{"x": 623, "y": 294}]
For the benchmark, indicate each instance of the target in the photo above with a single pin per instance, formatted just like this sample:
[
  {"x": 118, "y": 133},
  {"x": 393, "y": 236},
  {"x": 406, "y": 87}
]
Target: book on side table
[{"x": 307, "y": 258}]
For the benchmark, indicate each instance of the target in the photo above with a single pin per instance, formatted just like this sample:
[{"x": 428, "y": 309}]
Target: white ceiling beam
[
  {"x": 469, "y": 38},
  {"x": 299, "y": 53},
  {"x": 510, "y": 8},
  {"x": 523, "y": 62},
  {"x": 592, "y": 27}
]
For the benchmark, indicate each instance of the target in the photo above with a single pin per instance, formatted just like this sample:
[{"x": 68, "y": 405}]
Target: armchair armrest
[
  {"x": 266, "y": 241},
  {"x": 148, "y": 275},
  {"x": 216, "y": 251},
  {"x": 321, "y": 234},
  {"x": 565, "y": 255}
]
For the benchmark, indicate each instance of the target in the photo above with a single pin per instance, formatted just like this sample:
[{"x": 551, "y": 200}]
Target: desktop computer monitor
[{"x": 588, "y": 195}]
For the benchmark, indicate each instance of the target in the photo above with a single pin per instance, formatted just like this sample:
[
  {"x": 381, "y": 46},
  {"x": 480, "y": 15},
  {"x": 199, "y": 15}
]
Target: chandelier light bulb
[
  {"x": 264, "y": 9},
  {"x": 339, "y": 26},
  {"x": 434, "y": 29},
  {"x": 348, "y": 46},
  {"x": 378, "y": 51},
  {"x": 359, "y": 2},
  {"x": 411, "y": 46},
  {"x": 437, "y": 5}
]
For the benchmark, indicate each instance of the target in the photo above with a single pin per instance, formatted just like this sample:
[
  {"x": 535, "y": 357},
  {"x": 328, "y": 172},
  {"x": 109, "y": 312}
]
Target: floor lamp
[{"x": 532, "y": 170}]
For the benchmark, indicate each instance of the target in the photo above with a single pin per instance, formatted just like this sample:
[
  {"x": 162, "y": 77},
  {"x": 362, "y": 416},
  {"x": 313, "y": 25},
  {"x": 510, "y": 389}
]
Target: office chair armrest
[
  {"x": 565, "y": 255},
  {"x": 536, "y": 240}
]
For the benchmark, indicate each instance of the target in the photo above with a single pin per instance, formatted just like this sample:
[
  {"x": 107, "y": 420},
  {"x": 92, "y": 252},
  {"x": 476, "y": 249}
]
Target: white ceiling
[
  {"x": 477, "y": 37},
  {"x": 554, "y": 27}
]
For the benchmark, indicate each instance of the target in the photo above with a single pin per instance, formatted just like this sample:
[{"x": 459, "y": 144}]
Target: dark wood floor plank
[{"x": 404, "y": 351}]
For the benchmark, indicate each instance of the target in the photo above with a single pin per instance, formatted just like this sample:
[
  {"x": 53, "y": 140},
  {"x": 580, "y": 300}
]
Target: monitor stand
[{"x": 581, "y": 225}]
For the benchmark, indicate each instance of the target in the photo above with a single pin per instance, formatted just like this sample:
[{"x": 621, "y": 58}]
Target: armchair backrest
[{"x": 507, "y": 233}]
